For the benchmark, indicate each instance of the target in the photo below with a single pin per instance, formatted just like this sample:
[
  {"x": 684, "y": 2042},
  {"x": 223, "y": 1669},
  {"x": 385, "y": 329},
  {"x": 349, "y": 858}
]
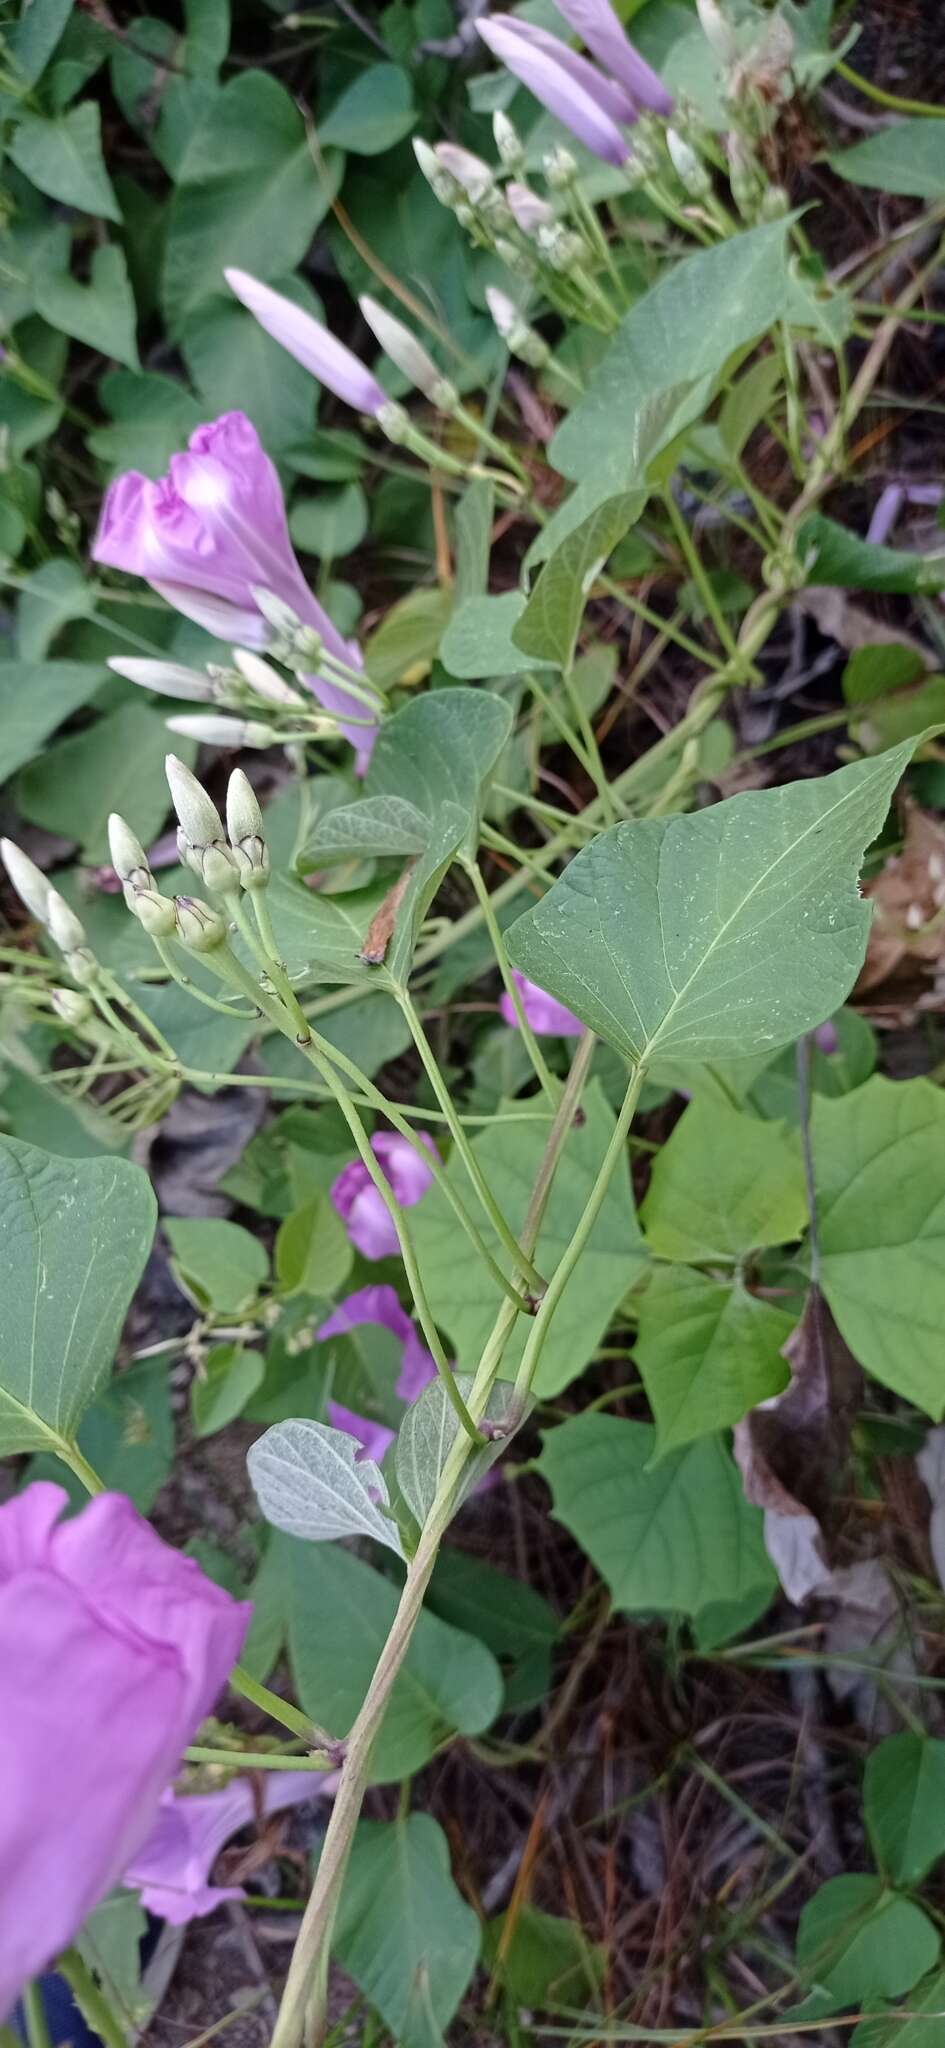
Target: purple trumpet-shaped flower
[
  {"x": 362, "y": 1208},
  {"x": 113, "y": 1649},
  {"x": 172, "y": 1868},
  {"x": 309, "y": 342},
  {"x": 598, "y": 26},
  {"x": 209, "y": 534},
  {"x": 379, "y": 1305},
  {"x": 547, "y": 1018},
  {"x": 592, "y": 106}
]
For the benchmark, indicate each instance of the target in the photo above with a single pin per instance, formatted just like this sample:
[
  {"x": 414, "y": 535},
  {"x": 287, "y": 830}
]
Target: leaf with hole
[{"x": 718, "y": 934}]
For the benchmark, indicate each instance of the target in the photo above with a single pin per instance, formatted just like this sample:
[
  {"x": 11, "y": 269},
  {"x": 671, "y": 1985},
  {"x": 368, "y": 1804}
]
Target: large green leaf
[
  {"x": 724, "y": 1184},
  {"x": 723, "y": 933},
  {"x": 904, "y": 1805},
  {"x": 920, "y": 2025},
  {"x": 549, "y": 625},
  {"x": 247, "y": 194},
  {"x": 683, "y": 330},
  {"x": 478, "y": 641},
  {"x": 340, "y": 1613},
  {"x": 403, "y": 1932},
  {"x": 515, "y": 1623},
  {"x": 63, "y": 156},
  {"x": 374, "y": 112},
  {"x": 74, "y": 1236},
  {"x": 707, "y": 1352},
  {"x": 35, "y": 697},
  {"x": 879, "y": 1163},
  {"x": 463, "y": 1301},
  {"x": 909, "y": 157},
  {"x": 674, "y": 1540},
  {"x": 116, "y": 764}
]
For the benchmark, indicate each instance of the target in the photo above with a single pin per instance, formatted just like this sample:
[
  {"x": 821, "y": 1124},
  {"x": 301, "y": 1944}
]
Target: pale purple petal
[
  {"x": 242, "y": 628},
  {"x": 885, "y": 513},
  {"x": 598, "y": 26},
  {"x": 417, "y": 1369},
  {"x": 552, "y": 75},
  {"x": 528, "y": 209},
  {"x": 362, "y": 1207},
  {"x": 374, "y": 1438},
  {"x": 172, "y": 1868},
  {"x": 309, "y": 342},
  {"x": 546, "y": 1017},
  {"x": 375, "y": 1304},
  {"x": 113, "y": 1648},
  {"x": 407, "y": 1171},
  {"x": 826, "y": 1038}
]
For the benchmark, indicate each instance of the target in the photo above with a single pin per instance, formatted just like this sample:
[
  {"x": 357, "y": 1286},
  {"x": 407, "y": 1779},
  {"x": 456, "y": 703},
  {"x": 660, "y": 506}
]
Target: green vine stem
[
  {"x": 487, "y": 904},
  {"x": 302, "y": 2011}
]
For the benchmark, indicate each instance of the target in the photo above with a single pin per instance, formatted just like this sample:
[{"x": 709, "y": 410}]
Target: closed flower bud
[
  {"x": 473, "y": 175},
  {"x": 394, "y": 422},
  {"x": 200, "y": 820},
  {"x": 275, "y": 611},
  {"x": 244, "y": 823},
  {"x": 152, "y": 910},
  {"x": 560, "y": 168},
  {"x": 561, "y": 248},
  {"x": 30, "y": 884},
  {"x": 442, "y": 184},
  {"x": 529, "y": 211},
  {"x": 520, "y": 339},
  {"x": 508, "y": 141},
  {"x": 129, "y": 859},
  {"x": 224, "y": 732},
  {"x": 217, "y": 868},
  {"x": 521, "y": 262},
  {"x": 167, "y": 678},
  {"x": 717, "y": 31},
  {"x": 774, "y": 203},
  {"x": 264, "y": 680},
  {"x": 198, "y": 927},
  {"x": 691, "y": 173},
  {"x": 71, "y": 1008},
  {"x": 63, "y": 926},
  {"x": 408, "y": 354}
]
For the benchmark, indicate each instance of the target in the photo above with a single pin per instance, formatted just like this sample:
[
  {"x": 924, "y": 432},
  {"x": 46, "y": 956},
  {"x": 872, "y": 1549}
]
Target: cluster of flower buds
[
  {"x": 226, "y": 859},
  {"x": 51, "y": 910},
  {"x": 258, "y": 707},
  {"x": 756, "y": 78}
]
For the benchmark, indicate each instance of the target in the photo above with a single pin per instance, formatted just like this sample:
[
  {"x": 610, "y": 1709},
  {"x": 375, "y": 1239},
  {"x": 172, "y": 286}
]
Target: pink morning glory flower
[
  {"x": 598, "y": 26},
  {"x": 172, "y": 1868},
  {"x": 361, "y": 1207},
  {"x": 547, "y": 1018},
  {"x": 591, "y": 105},
  {"x": 379, "y": 1305},
  {"x": 208, "y": 534},
  {"x": 113, "y": 1649}
]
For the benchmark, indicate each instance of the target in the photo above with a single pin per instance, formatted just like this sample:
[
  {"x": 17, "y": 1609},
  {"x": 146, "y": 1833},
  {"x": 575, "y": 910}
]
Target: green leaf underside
[
  {"x": 74, "y": 1237},
  {"x": 717, "y": 934},
  {"x": 340, "y": 1615},
  {"x": 464, "y": 1302},
  {"x": 677, "y": 1539},
  {"x": 311, "y": 1481},
  {"x": 879, "y": 1167},
  {"x": 427, "y": 1435}
]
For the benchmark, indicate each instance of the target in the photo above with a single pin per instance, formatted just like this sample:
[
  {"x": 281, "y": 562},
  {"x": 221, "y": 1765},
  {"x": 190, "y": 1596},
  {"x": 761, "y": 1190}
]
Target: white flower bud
[
  {"x": 198, "y": 927},
  {"x": 30, "y": 884},
  {"x": 71, "y": 1008},
  {"x": 129, "y": 859},
  {"x": 443, "y": 186},
  {"x": 560, "y": 168},
  {"x": 520, "y": 339},
  {"x": 264, "y": 680},
  {"x": 528, "y": 210},
  {"x": 408, "y": 354},
  {"x": 471, "y": 173},
  {"x": 244, "y": 823},
  {"x": 223, "y": 732},
  {"x": 152, "y": 910},
  {"x": 167, "y": 678},
  {"x": 521, "y": 262},
  {"x": 561, "y": 248},
  {"x": 508, "y": 141},
  {"x": 692, "y": 174},
  {"x": 199, "y": 818},
  {"x": 275, "y": 611},
  {"x": 217, "y": 867},
  {"x": 64, "y": 927},
  {"x": 307, "y": 646},
  {"x": 718, "y": 32},
  {"x": 394, "y": 422}
]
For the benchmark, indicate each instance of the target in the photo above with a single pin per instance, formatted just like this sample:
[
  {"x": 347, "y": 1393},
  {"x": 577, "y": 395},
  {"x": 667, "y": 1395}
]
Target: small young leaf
[
  {"x": 427, "y": 1435},
  {"x": 313, "y": 1252},
  {"x": 548, "y": 628},
  {"x": 717, "y": 934},
  {"x": 222, "y": 1265},
  {"x": 310, "y": 1481},
  {"x": 230, "y": 1377}
]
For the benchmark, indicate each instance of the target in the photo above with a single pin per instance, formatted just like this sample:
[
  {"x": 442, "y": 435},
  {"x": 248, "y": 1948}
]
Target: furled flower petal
[
  {"x": 309, "y": 342},
  {"x": 374, "y": 1438},
  {"x": 546, "y": 1017},
  {"x": 590, "y": 105},
  {"x": 380, "y": 1305},
  {"x": 529, "y": 210},
  {"x": 598, "y": 26},
  {"x": 357, "y": 1199},
  {"x": 113, "y": 1648},
  {"x": 172, "y": 1868}
]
